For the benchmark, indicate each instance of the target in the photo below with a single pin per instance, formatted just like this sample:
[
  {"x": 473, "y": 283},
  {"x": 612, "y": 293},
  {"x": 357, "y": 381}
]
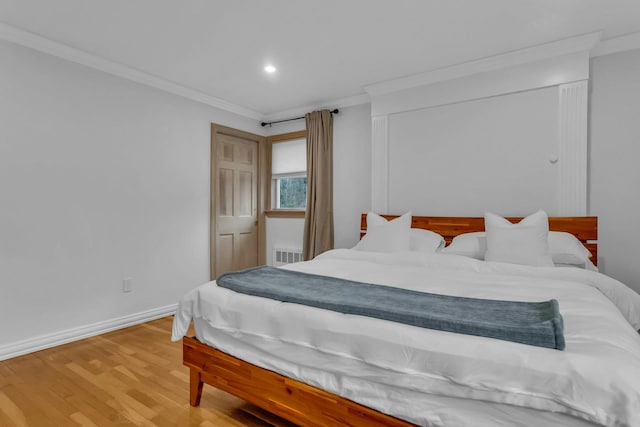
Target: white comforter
[{"x": 596, "y": 378}]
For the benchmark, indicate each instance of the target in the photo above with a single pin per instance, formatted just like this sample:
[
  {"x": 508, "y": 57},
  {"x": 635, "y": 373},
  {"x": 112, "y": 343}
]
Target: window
[
  {"x": 289, "y": 174},
  {"x": 291, "y": 192}
]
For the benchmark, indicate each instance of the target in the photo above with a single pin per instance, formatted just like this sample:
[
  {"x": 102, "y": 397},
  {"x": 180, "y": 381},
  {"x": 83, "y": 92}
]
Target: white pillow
[
  {"x": 565, "y": 248},
  {"x": 421, "y": 240},
  {"x": 588, "y": 265},
  {"x": 473, "y": 245},
  {"x": 386, "y": 236},
  {"x": 524, "y": 243}
]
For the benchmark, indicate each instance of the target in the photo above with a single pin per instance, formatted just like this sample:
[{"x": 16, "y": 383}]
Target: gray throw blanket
[{"x": 533, "y": 323}]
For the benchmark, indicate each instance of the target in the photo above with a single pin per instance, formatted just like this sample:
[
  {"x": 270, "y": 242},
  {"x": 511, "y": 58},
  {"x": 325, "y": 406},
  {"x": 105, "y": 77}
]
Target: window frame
[{"x": 272, "y": 210}]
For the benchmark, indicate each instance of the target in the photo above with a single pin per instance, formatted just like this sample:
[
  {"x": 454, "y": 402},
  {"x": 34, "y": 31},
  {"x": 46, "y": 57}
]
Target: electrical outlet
[{"x": 127, "y": 285}]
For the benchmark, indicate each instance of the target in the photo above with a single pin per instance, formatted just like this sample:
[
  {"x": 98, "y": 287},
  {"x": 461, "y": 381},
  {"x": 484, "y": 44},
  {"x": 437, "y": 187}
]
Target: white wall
[
  {"x": 614, "y": 163},
  {"x": 466, "y": 158},
  {"x": 100, "y": 179},
  {"x": 351, "y": 181},
  {"x": 283, "y": 233},
  {"x": 442, "y": 146},
  {"x": 351, "y": 172}
]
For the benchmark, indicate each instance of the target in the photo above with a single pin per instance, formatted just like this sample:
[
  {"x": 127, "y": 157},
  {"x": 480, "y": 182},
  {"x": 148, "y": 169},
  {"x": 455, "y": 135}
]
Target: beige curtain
[{"x": 318, "y": 218}]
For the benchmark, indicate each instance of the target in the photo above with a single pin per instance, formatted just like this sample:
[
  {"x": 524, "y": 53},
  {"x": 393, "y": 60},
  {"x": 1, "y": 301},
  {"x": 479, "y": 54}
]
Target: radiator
[{"x": 286, "y": 256}]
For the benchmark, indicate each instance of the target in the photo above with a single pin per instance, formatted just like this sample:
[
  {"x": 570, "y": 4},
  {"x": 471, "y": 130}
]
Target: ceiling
[{"x": 324, "y": 50}]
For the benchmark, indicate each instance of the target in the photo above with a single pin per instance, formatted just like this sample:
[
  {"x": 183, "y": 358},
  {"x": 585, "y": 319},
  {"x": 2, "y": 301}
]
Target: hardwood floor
[{"x": 133, "y": 376}]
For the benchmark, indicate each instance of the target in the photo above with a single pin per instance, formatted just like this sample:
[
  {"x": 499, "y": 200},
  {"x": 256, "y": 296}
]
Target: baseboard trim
[{"x": 42, "y": 342}]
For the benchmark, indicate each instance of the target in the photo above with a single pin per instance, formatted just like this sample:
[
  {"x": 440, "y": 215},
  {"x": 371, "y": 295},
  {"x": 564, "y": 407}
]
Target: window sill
[{"x": 284, "y": 213}]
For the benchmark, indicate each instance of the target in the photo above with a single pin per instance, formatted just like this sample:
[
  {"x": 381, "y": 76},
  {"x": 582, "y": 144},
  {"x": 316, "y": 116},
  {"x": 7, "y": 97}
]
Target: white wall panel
[{"x": 490, "y": 154}]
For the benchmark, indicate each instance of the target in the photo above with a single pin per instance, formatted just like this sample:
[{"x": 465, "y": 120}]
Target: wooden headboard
[{"x": 585, "y": 228}]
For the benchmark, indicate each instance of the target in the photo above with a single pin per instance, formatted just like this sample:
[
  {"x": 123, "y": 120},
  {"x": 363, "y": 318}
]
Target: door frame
[{"x": 217, "y": 129}]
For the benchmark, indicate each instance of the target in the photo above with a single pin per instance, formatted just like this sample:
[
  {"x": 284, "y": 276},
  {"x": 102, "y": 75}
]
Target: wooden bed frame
[
  {"x": 293, "y": 400},
  {"x": 307, "y": 405}
]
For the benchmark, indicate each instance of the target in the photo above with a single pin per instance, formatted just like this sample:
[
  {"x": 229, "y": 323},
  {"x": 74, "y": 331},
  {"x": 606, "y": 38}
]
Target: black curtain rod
[{"x": 263, "y": 124}]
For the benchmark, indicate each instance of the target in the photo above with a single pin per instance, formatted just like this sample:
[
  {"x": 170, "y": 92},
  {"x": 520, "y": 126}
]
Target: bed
[{"x": 317, "y": 368}]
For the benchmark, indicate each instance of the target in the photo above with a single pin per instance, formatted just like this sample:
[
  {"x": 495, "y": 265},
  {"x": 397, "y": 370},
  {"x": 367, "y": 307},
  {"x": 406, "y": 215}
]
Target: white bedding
[{"x": 392, "y": 367}]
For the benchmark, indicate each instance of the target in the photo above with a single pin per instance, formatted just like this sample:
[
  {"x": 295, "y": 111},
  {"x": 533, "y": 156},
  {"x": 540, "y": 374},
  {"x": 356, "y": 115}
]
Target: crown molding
[
  {"x": 349, "y": 101},
  {"x": 536, "y": 53},
  {"x": 44, "y": 45},
  {"x": 617, "y": 44}
]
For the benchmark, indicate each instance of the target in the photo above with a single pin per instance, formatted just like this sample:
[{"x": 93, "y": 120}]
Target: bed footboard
[{"x": 291, "y": 399}]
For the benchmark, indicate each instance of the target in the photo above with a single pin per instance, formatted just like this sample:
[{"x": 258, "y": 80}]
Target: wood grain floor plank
[
  {"x": 98, "y": 412},
  {"x": 82, "y": 420},
  {"x": 6, "y": 375},
  {"x": 55, "y": 408},
  {"x": 23, "y": 408},
  {"x": 11, "y": 411},
  {"x": 130, "y": 377}
]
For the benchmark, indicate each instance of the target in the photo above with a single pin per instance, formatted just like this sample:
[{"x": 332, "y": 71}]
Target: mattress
[{"x": 431, "y": 377}]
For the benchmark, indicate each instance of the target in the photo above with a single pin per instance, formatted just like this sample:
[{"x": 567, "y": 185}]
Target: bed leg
[{"x": 195, "y": 387}]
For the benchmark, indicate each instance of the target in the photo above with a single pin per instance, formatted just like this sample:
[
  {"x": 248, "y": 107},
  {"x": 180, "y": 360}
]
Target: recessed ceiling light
[{"x": 270, "y": 69}]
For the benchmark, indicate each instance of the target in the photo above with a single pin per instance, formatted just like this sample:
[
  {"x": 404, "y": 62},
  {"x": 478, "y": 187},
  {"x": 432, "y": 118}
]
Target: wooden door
[{"x": 235, "y": 192}]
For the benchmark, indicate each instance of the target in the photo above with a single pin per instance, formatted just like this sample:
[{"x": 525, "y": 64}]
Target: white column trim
[
  {"x": 380, "y": 164},
  {"x": 572, "y": 148}
]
